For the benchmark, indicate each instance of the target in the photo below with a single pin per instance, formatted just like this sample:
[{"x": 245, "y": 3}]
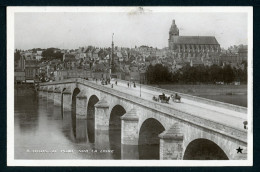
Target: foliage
[
  {"x": 17, "y": 55},
  {"x": 43, "y": 77},
  {"x": 50, "y": 54},
  {"x": 197, "y": 74},
  {"x": 157, "y": 74}
]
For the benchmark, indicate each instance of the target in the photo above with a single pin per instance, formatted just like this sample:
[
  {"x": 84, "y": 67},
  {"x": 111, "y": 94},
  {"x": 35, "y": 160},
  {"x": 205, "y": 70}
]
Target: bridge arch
[
  {"x": 192, "y": 133},
  {"x": 115, "y": 127},
  {"x": 76, "y": 91},
  {"x": 149, "y": 142},
  {"x": 204, "y": 149},
  {"x": 93, "y": 99}
]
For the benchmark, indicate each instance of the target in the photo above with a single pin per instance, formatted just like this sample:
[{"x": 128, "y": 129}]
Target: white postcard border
[{"x": 10, "y": 89}]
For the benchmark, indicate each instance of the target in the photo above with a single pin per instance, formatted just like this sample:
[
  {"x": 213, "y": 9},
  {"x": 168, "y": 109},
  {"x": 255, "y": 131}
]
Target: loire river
[{"x": 44, "y": 131}]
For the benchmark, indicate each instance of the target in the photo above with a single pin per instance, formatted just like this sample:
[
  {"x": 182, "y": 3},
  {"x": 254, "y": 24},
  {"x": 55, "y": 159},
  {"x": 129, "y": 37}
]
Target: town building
[
  {"x": 191, "y": 47},
  {"x": 242, "y": 53},
  {"x": 19, "y": 70},
  {"x": 31, "y": 70}
]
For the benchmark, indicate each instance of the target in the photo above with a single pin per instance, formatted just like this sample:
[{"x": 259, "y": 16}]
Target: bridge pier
[
  {"x": 45, "y": 92},
  {"x": 171, "y": 143},
  {"x": 67, "y": 99},
  {"x": 50, "y": 93},
  {"x": 81, "y": 106},
  {"x": 102, "y": 142},
  {"x": 129, "y": 130},
  {"x": 40, "y": 91},
  {"x": 81, "y": 130},
  {"x": 129, "y": 152},
  {"x": 101, "y": 115},
  {"x": 57, "y": 96}
]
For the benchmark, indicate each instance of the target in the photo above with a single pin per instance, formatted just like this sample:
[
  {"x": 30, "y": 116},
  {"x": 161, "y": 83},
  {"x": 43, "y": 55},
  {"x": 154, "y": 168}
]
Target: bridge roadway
[{"x": 220, "y": 115}]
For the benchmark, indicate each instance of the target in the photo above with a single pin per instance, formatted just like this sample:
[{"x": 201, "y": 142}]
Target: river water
[{"x": 45, "y": 131}]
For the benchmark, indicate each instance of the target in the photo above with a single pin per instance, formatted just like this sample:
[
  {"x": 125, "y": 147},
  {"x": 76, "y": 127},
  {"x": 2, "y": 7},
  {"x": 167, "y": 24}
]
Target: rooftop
[{"x": 203, "y": 40}]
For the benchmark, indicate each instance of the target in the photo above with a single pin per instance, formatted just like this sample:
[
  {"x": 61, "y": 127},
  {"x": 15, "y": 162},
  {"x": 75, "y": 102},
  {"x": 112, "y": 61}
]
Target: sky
[{"x": 68, "y": 30}]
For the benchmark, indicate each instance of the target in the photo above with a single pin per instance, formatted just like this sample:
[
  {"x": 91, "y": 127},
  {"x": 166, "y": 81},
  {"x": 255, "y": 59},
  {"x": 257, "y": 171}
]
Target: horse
[{"x": 155, "y": 98}]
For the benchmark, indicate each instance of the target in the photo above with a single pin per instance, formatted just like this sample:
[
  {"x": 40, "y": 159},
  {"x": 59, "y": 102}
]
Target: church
[{"x": 187, "y": 48}]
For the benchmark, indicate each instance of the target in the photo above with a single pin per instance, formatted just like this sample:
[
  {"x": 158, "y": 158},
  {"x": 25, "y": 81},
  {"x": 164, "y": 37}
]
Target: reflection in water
[
  {"x": 39, "y": 125},
  {"x": 73, "y": 110},
  {"x": 91, "y": 130},
  {"x": 81, "y": 131},
  {"x": 27, "y": 103},
  {"x": 129, "y": 152},
  {"x": 43, "y": 126},
  {"x": 115, "y": 143},
  {"x": 148, "y": 139},
  {"x": 115, "y": 130},
  {"x": 91, "y": 118}
]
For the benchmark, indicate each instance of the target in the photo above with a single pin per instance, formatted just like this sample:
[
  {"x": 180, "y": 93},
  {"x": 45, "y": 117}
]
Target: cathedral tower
[{"x": 174, "y": 31}]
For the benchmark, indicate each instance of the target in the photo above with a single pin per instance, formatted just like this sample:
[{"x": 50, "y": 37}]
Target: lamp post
[{"x": 139, "y": 80}]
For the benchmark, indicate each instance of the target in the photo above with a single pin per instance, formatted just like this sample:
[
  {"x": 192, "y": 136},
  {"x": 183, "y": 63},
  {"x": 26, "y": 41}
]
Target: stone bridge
[{"x": 196, "y": 128}]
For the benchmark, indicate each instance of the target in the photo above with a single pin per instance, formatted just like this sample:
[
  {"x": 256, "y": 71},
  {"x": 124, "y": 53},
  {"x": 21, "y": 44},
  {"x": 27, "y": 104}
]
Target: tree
[
  {"x": 50, "y": 54},
  {"x": 157, "y": 74},
  {"x": 17, "y": 55},
  {"x": 228, "y": 74},
  {"x": 42, "y": 77},
  {"x": 216, "y": 73}
]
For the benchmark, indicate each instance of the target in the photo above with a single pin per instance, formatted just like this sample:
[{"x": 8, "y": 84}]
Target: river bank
[
  {"x": 200, "y": 90},
  {"x": 233, "y": 94}
]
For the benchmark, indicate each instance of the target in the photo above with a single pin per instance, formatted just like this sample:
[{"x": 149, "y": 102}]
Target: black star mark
[{"x": 239, "y": 150}]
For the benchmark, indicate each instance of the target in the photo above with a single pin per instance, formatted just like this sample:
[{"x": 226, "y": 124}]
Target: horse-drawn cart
[
  {"x": 162, "y": 98},
  {"x": 176, "y": 98}
]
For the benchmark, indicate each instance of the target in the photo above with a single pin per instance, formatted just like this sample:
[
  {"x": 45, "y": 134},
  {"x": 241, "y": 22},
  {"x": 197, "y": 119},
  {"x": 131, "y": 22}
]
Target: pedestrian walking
[
  {"x": 112, "y": 86},
  {"x": 128, "y": 84},
  {"x": 116, "y": 82}
]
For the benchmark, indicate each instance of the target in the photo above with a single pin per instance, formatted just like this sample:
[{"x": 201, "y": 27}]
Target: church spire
[{"x": 174, "y": 31}]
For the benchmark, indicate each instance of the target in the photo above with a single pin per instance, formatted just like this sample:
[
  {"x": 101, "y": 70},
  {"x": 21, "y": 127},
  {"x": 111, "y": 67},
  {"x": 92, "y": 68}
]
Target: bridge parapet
[
  {"x": 45, "y": 89},
  {"x": 180, "y": 116},
  {"x": 50, "y": 89},
  {"x": 57, "y": 90},
  {"x": 67, "y": 90}
]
